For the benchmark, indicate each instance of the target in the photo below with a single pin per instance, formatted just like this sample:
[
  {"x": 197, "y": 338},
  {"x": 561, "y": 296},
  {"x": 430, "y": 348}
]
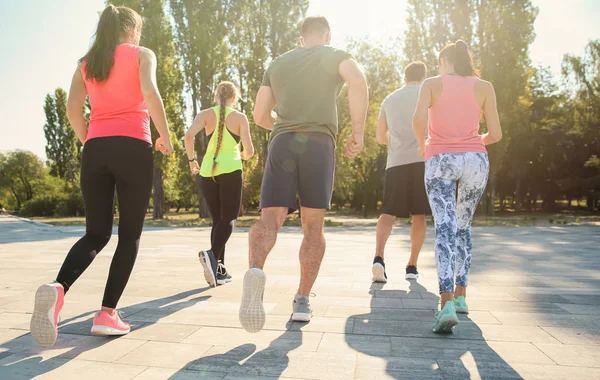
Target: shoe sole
[
  {"x": 411, "y": 276},
  {"x": 42, "y": 320},
  {"x": 379, "y": 273},
  {"x": 206, "y": 262},
  {"x": 462, "y": 311},
  {"x": 108, "y": 331},
  {"x": 252, "y": 312},
  {"x": 223, "y": 282},
  {"x": 446, "y": 325},
  {"x": 301, "y": 317}
]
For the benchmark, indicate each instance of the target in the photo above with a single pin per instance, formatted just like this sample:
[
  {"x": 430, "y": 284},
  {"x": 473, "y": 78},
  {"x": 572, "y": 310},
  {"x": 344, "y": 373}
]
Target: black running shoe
[
  {"x": 209, "y": 263},
  {"x": 379, "y": 274},
  {"x": 411, "y": 272},
  {"x": 223, "y": 277}
]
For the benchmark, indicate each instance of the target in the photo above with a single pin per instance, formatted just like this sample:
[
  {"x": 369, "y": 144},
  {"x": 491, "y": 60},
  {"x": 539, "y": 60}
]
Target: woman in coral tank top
[
  {"x": 119, "y": 77},
  {"x": 455, "y": 153}
]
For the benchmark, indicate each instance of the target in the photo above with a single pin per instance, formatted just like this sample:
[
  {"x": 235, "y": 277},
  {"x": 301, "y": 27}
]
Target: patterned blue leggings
[{"x": 453, "y": 218}]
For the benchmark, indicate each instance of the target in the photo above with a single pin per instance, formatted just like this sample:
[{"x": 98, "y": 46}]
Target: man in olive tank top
[{"x": 301, "y": 86}]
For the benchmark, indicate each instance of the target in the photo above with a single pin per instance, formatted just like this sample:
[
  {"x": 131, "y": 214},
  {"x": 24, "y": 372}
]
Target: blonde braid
[{"x": 225, "y": 91}]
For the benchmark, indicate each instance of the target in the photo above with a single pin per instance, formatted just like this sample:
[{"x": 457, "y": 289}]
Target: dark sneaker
[
  {"x": 411, "y": 272},
  {"x": 209, "y": 263},
  {"x": 302, "y": 311},
  {"x": 379, "y": 274},
  {"x": 223, "y": 277}
]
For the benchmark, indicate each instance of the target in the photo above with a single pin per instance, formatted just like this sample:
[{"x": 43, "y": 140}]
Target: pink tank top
[
  {"x": 118, "y": 107},
  {"x": 454, "y": 119}
]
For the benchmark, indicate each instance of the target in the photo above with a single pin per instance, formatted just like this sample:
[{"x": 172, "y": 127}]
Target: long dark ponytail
[
  {"x": 459, "y": 55},
  {"x": 115, "y": 23},
  {"x": 225, "y": 91}
]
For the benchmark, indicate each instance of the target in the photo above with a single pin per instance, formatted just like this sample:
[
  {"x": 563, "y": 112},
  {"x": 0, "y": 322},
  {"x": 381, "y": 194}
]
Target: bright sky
[{"x": 42, "y": 40}]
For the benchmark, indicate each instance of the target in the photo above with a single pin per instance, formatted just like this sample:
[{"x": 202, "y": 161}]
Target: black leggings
[
  {"x": 107, "y": 163},
  {"x": 224, "y": 198}
]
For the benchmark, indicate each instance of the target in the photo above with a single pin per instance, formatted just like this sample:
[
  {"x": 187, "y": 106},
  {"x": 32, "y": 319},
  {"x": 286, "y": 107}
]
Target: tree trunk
[
  {"x": 518, "y": 192},
  {"x": 158, "y": 195},
  {"x": 364, "y": 204},
  {"x": 203, "y": 210},
  {"x": 200, "y": 147},
  {"x": 491, "y": 209},
  {"x": 16, "y": 197}
]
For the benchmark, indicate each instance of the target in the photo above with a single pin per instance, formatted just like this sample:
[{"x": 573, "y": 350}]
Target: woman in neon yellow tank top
[{"x": 220, "y": 173}]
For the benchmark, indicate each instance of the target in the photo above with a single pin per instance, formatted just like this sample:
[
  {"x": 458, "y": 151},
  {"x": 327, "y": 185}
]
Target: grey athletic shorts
[{"x": 299, "y": 163}]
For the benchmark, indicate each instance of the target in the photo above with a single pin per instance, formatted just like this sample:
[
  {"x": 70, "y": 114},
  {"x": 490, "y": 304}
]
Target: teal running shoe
[
  {"x": 460, "y": 304},
  {"x": 446, "y": 319}
]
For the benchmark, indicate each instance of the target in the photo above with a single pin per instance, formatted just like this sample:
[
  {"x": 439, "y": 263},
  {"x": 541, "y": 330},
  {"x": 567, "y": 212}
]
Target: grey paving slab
[
  {"x": 580, "y": 309},
  {"x": 373, "y": 345},
  {"x": 584, "y": 299},
  {"x": 528, "y": 319},
  {"x": 154, "y": 373},
  {"x": 385, "y": 367},
  {"x": 574, "y": 335},
  {"x": 575, "y": 355}
]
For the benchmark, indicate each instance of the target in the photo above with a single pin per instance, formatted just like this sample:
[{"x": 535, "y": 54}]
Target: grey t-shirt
[{"x": 398, "y": 109}]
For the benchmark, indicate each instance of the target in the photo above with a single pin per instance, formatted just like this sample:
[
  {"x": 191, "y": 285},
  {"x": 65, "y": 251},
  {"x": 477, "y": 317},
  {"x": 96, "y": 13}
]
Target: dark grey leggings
[{"x": 116, "y": 163}]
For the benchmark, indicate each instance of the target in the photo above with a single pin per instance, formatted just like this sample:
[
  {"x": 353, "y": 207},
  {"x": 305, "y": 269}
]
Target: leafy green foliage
[
  {"x": 62, "y": 146},
  {"x": 18, "y": 170},
  {"x": 158, "y": 36}
]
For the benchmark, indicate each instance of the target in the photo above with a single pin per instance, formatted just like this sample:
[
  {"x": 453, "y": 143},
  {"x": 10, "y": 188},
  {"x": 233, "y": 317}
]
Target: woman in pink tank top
[
  {"x": 455, "y": 153},
  {"x": 118, "y": 76}
]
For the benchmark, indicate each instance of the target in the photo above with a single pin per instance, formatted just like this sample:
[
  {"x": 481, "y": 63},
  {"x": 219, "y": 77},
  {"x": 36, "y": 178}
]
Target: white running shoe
[{"x": 252, "y": 312}]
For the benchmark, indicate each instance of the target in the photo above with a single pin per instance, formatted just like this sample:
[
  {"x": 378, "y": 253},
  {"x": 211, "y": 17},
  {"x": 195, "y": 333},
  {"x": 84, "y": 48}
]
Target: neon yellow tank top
[{"x": 229, "y": 158}]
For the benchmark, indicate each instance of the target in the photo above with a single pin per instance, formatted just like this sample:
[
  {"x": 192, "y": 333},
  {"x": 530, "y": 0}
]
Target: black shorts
[
  {"x": 299, "y": 164},
  {"x": 404, "y": 191}
]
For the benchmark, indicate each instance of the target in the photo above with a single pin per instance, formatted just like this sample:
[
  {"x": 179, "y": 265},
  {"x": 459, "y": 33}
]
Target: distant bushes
[
  {"x": 69, "y": 204},
  {"x": 53, "y": 197}
]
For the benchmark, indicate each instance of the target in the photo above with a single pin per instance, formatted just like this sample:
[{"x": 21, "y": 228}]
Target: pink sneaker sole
[
  {"x": 108, "y": 331},
  {"x": 42, "y": 326}
]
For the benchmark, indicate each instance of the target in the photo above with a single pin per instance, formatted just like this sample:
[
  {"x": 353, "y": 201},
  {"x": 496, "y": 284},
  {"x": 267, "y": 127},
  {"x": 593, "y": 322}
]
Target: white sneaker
[
  {"x": 378, "y": 270},
  {"x": 252, "y": 312},
  {"x": 302, "y": 311}
]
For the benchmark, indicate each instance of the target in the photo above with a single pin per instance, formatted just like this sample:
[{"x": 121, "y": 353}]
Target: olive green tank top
[{"x": 229, "y": 158}]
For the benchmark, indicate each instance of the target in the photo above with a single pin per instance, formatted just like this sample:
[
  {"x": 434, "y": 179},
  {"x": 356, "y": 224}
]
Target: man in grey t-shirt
[{"x": 404, "y": 192}]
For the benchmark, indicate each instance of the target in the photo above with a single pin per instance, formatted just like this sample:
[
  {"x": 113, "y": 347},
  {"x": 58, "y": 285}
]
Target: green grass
[
  {"x": 346, "y": 218},
  {"x": 182, "y": 219}
]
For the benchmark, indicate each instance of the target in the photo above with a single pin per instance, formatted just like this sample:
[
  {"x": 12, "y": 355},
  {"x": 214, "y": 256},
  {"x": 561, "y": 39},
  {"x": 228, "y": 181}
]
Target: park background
[{"x": 546, "y": 169}]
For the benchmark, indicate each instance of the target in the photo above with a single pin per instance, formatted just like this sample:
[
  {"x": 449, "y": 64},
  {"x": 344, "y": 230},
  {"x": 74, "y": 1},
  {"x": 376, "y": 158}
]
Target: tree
[
  {"x": 201, "y": 30},
  {"x": 62, "y": 146},
  {"x": 259, "y": 31},
  {"x": 499, "y": 33},
  {"x": 360, "y": 181},
  {"x": 432, "y": 24},
  {"x": 18, "y": 169},
  {"x": 584, "y": 75},
  {"x": 158, "y": 36}
]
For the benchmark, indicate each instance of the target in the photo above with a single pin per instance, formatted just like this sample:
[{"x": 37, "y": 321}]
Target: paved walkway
[{"x": 534, "y": 296}]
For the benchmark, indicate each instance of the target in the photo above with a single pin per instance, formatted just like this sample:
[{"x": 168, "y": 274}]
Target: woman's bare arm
[
  {"x": 77, "y": 95},
  {"x": 492, "y": 119},
  {"x": 246, "y": 138}
]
